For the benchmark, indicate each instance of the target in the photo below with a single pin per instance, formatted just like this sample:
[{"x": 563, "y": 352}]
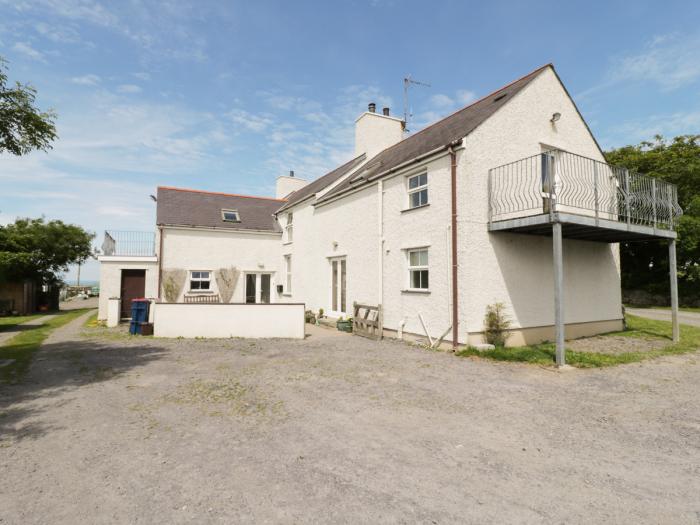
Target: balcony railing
[
  {"x": 138, "y": 244},
  {"x": 559, "y": 181}
]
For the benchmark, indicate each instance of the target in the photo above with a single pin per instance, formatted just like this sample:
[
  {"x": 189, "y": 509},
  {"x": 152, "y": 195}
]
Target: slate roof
[
  {"x": 322, "y": 182},
  {"x": 183, "y": 207},
  {"x": 441, "y": 133}
]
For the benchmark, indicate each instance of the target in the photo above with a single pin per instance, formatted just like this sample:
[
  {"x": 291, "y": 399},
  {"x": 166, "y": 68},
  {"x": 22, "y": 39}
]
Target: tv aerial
[{"x": 409, "y": 82}]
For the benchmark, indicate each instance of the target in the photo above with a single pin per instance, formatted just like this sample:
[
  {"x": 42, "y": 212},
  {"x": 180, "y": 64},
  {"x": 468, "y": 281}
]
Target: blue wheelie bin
[{"x": 139, "y": 315}]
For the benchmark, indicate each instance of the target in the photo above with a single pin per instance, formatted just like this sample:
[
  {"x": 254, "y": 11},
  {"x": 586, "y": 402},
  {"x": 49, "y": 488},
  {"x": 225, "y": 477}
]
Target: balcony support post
[
  {"x": 674, "y": 289},
  {"x": 558, "y": 260}
]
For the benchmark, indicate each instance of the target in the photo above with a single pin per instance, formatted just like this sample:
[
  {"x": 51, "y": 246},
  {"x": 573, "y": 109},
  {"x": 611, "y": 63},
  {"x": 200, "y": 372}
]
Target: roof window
[{"x": 230, "y": 216}]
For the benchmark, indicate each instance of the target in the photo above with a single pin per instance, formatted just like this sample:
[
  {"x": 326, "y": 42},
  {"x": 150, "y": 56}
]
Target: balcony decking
[
  {"x": 128, "y": 244},
  {"x": 564, "y": 195},
  {"x": 592, "y": 200}
]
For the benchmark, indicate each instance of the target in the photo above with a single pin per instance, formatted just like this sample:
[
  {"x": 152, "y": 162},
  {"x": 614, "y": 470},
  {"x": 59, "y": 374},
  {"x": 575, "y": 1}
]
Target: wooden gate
[{"x": 367, "y": 321}]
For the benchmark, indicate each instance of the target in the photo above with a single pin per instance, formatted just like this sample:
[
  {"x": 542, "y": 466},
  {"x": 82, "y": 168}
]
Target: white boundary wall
[{"x": 284, "y": 320}]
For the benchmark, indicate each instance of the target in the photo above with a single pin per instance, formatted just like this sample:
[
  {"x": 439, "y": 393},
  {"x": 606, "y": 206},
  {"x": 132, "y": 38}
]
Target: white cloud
[
  {"x": 465, "y": 96},
  {"x": 128, "y": 88},
  {"x": 28, "y": 51},
  {"x": 250, "y": 121},
  {"x": 668, "y": 125},
  {"x": 86, "y": 80},
  {"x": 56, "y": 33},
  {"x": 669, "y": 61},
  {"x": 441, "y": 101}
]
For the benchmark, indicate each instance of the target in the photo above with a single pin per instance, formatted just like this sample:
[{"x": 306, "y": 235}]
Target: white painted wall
[
  {"x": 207, "y": 249},
  {"x": 346, "y": 228},
  {"x": 228, "y": 320},
  {"x": 517, "y": 269},
  {"x": 375, "y": 132},
  {"x": 111, "y": 278}
]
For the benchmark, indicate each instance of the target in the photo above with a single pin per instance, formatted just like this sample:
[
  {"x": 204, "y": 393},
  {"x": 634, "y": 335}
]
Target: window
[
  {"x": 418, "y": 190},
  {"x": 230, "y": 216},
  {"x": 200, "y": 281},
  {"x": 288, "y": 269},
  {"x": 418, "y": 269},
  {"x": 289, "y": 227}
]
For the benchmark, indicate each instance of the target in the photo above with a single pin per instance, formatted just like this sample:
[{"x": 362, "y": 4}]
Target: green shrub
[{"x": 496, "y": 325}]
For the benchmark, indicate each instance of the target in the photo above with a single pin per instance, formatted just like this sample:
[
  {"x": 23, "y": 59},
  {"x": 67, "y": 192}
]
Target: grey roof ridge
[
  {"x": 290, "y": 203},
  {"x": 417, "y": 134}
]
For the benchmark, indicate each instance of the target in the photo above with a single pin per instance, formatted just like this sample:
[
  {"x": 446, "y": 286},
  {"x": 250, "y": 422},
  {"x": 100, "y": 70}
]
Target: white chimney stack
[
  {"x": 375, "y": 132},
  {"x": 287, "y": 184}
]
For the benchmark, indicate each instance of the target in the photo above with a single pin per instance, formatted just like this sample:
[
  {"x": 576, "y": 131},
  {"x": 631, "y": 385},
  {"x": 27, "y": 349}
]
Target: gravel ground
[
  {"x": 691, "y": 318},
  {"x": 341, "y": 429},
  {"x": 614, "y": 345}
]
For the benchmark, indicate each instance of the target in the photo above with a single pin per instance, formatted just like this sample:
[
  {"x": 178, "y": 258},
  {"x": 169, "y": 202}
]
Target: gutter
[{"x": 360, "y": 186}]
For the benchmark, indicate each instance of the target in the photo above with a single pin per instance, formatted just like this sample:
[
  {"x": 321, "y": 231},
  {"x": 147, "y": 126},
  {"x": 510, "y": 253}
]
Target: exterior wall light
[{"x": 555, "y": 117}]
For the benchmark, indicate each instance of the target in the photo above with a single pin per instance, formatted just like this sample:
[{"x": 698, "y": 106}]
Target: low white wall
[{"x": 284, "y": 320}]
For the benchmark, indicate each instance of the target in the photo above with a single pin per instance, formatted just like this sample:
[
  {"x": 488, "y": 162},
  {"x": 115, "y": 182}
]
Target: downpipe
[{"x": 455, "y": 289}]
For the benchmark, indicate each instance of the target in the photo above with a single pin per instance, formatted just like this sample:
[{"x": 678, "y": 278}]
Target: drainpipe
[
  {"x": 455, "y": 289},
  {"x": 380, "y": 230},
  {"x": 160, "y": 259}
]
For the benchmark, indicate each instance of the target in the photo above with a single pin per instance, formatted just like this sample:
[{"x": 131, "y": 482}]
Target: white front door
[
  {"x": 338, "y": 304},
  {"x": 257, "y": 288}
]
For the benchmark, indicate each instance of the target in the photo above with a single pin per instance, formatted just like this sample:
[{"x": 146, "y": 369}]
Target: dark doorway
[
  {"x": 250, "y": 291},
  {"x": 133, "y": 287}
]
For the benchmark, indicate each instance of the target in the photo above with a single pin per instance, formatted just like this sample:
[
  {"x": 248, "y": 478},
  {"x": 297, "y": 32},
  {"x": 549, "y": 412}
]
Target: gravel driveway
[
  {"x": 341, "y": 429},
  {"x": 691, "y": 318}
]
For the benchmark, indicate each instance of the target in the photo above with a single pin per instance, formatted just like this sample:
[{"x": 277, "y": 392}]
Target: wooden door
[{"x": 133, "y": 287}]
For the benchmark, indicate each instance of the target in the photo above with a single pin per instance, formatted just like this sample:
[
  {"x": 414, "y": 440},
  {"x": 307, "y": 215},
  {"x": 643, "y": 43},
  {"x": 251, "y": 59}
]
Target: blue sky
[{"x": 226, "y": 96}]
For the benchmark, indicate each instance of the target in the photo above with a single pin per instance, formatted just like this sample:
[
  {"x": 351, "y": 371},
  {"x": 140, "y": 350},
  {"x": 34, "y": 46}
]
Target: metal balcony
[
  {"x": 591, "y": 199},
  {"x": 129, "y": 243}
]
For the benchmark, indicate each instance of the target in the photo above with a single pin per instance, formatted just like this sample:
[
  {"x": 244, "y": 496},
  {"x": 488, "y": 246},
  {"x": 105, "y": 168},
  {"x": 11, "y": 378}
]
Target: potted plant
[{"x": 344, "y": 325}]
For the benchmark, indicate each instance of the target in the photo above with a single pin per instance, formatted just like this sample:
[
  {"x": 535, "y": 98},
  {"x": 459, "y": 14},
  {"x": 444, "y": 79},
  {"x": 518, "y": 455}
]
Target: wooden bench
[{"x": 203, "y": 298}]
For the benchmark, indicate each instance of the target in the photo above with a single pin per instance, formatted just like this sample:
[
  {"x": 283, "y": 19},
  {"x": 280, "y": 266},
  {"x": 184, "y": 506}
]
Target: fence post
[
  {"x": 595, "y": 190},
  {"x": 627, "y": 197},
  {"x": 653, "y": 199},
  {"x": 489, "y": 196}
]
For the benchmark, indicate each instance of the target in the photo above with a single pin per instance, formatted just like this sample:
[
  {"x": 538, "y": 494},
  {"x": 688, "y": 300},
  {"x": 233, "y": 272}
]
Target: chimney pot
[
  {"x": 385, "y": 111},
  {"x": 291, "y": 173},
  {"x": 372, "y": 107}
]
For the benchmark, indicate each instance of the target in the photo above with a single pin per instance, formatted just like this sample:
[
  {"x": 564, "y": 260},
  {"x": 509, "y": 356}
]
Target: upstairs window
[
  {"x": 200, "y": 281},
  {"x": 230, "y": 216},
  {"x": 418, "y": 269},
  {"x": 417, "y": 190},
  {"x": 288, "y": 274},
  {"x": 289, "y": 228}
]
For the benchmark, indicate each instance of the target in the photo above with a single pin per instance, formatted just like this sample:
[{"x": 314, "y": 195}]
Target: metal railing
[
  {"x": 129, "y": 243},
  {"x": 559, "y": 181}
]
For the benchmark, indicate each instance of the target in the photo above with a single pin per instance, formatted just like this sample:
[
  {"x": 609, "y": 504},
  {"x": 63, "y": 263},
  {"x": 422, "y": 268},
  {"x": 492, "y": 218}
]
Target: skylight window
[{"x": 230, "y": 216}]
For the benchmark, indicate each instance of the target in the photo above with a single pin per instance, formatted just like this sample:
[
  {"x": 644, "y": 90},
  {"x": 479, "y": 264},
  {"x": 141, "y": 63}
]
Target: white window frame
[
  {"x": 411, "y": 191},
  {"x": 200, "y": 279},
  {"x": 224, "y": 211},
  {"x": 418, "y": 268},
  {"x": 288, "y": 274},
  {"x": 289, "y": 227}
]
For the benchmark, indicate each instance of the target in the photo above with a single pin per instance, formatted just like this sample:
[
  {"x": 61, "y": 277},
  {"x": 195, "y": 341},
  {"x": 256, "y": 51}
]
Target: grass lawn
[
  {"x": 9, "y": 323},
  {"x": 637, "y": 327},
  {"x": 22, "y": 347}
]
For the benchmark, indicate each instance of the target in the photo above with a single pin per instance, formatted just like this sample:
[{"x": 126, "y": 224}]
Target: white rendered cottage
[{"x": 507, "y": 200}]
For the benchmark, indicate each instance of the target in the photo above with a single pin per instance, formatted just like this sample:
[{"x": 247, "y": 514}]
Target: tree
[
  {"x": 23, "y": 127},
  {"x": 36, "y": 249},
  {"x": 645, "y": 264}
]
